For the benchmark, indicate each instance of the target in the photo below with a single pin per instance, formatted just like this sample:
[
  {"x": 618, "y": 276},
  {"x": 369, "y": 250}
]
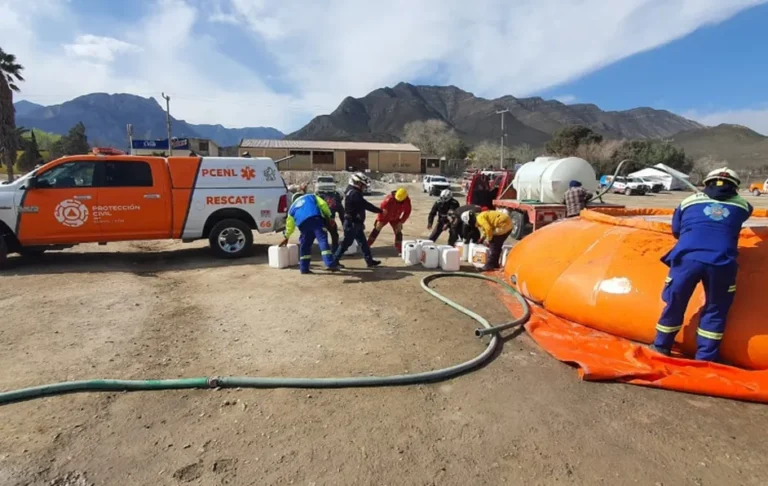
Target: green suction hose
[{"x": 257, "y": 382}]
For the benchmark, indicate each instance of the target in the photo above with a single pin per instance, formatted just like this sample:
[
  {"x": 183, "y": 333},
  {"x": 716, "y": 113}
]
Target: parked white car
[
  {"x": 433, "y": 185},
  {"x": 630, "y": 186}
]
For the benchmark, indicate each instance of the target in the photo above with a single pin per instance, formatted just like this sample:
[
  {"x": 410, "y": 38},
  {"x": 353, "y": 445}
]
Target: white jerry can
[
  {"x": 478, "y": 254},
  {"x": 278, "y": 256},
  {"x": 405, "y": 243},
  {"x": 450, "y": 260},
  {"x": 293, "y": 254},
  {"x": 430, "y": 256},
  {"x": 411, "y": 253},
  {"x": 463, "y": 251}
]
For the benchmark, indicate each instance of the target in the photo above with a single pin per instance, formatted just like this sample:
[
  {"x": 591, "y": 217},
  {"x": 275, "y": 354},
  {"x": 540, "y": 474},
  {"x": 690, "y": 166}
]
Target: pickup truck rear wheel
[
  {"x": 628, "y": 191},
  {"x": 231, "y": 238},
  {"x": 756, "y": 192}
]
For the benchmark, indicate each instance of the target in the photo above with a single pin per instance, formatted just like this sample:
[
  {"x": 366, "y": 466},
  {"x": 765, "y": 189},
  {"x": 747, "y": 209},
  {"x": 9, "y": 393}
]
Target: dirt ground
[{"x": 166, "y": 309}]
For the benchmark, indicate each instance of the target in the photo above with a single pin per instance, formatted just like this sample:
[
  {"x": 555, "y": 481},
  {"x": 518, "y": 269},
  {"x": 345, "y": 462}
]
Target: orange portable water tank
[{"x": 603, "y": 270}]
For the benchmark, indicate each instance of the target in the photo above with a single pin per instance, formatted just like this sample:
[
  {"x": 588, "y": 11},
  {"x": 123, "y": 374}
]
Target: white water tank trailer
[{"x": 546, "y": 179}]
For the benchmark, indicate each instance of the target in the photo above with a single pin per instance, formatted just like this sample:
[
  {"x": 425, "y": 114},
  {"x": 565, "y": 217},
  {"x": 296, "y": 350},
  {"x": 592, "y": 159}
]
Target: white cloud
[
  {"x": 754, "y": 118},
  {"x": 99, "y": 48},
  {"x": 566, "y": 99},
  {"x": 328, "y": 49}
]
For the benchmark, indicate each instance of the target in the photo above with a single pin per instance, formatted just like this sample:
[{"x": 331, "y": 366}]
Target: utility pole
[
  {"x": 168, "y": 121},
  {"x": 501, "y": 112}
]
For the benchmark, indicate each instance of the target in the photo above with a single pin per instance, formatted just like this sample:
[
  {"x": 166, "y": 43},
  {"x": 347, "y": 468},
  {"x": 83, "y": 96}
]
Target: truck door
[
  {"x": 134, "y": 200},
  {"x": 58, "y": 208}
]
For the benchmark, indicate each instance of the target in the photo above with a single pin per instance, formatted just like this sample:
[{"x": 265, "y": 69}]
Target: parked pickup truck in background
[
  {"x": 324, "y": 184},
  {"x": 757, "y": 188},
  {"x": 100, "y": 199},
  {"x": 629, "y": 186},
  {"x": 433, "y": 185}
]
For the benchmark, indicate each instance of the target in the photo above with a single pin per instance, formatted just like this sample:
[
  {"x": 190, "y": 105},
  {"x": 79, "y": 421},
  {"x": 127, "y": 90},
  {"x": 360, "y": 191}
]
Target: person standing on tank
[
  {"x": 440, "y": 209},
  {"x": 494, "y": 226},
  {"x": 706, "y": 226},
  {"x": 575, "y": 199},
  {"x": 355, "y": 206}
]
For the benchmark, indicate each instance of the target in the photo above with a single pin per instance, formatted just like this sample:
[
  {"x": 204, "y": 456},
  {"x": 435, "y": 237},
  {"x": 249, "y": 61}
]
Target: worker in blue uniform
[
  {"x": 311, "y": 214},
  {"x": 706, "y": 226}
]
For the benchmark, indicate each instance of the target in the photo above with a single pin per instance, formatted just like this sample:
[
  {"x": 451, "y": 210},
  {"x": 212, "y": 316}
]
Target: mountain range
[
  {"x": 382, "y": 115},
  {"x": 105, "y": 117}
]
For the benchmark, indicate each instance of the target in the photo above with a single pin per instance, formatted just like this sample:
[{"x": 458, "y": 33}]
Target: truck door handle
[
  {"x": 82, "y": 198},
  {"x": 151, "y": 196}
]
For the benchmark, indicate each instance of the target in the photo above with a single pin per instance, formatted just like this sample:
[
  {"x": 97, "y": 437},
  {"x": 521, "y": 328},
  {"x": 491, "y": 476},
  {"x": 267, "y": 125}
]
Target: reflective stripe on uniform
[
  {"x": 732, "y": 288},
  {"x": 702, "y": 198},
  {"x": 717, "y": 336},
  {"x": 667, "y": 329},
  {"x": 668, "y": 279},
  {"x": 306, "y": 257},
  {"x": 326, "y": 252}
]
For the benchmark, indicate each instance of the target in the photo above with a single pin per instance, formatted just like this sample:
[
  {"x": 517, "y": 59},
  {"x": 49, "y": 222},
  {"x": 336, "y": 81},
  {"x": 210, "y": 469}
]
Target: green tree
[
  {"x": 521, "y": 153},
  {"x": 646, "y": 153},
  {"x": 75, "y": 142},
  {"x": 10, "y": 74},
  {"x": 31, "y": 156},
  {"x": 565, "y": 141}
]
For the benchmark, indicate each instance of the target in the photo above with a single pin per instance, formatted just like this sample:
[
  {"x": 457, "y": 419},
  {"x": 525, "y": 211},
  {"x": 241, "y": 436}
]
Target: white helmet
[
  {"x": 466, "y": 217},
  {"x": 446, "y": 194},
  {"x": 358, "y": 178},
  {"x": 724, "y": 174}
]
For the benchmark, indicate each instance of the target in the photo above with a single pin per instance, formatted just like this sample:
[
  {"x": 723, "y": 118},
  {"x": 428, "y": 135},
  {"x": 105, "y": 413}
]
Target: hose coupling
[{"x": 214, "y": 382}]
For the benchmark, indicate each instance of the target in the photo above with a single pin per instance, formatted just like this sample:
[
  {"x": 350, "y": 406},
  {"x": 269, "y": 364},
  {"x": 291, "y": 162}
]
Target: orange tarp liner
[{"x": 602, "y": 272}]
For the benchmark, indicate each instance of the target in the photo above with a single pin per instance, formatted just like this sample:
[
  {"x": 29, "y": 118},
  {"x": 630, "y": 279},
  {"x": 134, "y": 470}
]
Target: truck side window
[
  {"x": 127, "y": 174},
  {"x": 68, "y": 175}
]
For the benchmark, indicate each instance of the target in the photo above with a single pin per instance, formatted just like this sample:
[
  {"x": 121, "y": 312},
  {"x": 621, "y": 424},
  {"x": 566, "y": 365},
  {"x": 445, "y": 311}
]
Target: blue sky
[{"x": 278, "y": 63}]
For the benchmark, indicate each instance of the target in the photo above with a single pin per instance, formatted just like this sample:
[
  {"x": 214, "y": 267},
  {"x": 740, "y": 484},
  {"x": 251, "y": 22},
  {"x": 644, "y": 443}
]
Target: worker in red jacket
[{"x": 396, "y": 210}]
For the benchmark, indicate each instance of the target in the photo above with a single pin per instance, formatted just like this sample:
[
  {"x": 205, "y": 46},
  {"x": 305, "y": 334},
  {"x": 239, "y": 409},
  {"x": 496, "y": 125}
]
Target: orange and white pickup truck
[
  {"x": 107, "y": 198},
  {"x": 756, "y": 188}
]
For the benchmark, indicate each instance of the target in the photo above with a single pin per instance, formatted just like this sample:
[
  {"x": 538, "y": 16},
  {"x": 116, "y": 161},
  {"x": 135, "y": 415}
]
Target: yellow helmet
[{"x": 401, "y": 195}]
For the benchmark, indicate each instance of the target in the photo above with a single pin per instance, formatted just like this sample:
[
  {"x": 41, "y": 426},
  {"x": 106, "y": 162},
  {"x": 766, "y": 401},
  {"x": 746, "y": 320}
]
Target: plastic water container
[
  {"x": 478, "y": 254},
  {"x": 425, "y": 242},
  {"x": 407, "y": 242},
  {"x": 504, "y": 252},
  {"x": 430, "y": 256},
  {"x": 442, "y": 248},
  {"x": 293, "y": 255},
  {"x": 279, "y": 257},
  {"x": 463, "y": 251},
  {"x": 450, "y": 260},
  {"x": 411, "y": 253},
  {"x": 352, "y": 249}
]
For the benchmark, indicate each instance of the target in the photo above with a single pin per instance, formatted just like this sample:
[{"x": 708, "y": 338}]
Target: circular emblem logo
[
  {"x": 71, "y": 213},
  {"x": 717, "y": 212}
]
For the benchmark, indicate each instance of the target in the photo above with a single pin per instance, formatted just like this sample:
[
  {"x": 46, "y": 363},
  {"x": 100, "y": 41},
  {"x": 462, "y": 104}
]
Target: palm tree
[{"x": 10, "y": 74}]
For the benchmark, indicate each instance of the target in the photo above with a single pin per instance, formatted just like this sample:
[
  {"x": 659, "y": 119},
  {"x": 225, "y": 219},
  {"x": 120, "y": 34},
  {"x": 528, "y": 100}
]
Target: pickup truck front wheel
[
  {"x": 231, "y": 238},
  {"x": 755, "y": 192}
]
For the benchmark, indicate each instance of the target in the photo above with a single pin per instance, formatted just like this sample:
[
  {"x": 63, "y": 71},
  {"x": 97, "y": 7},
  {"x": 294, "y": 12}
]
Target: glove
[
  {"x": 429, "y": 227},
  {"x": 284, "y": 242}
]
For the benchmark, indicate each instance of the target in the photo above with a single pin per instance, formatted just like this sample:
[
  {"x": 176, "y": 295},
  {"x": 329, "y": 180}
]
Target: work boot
[
  {"x": 373, "y": 263},
  {"x": 333, "y": 269},
  {"x": 664, "y": 351},
  {"x": 307, "y": 272}
]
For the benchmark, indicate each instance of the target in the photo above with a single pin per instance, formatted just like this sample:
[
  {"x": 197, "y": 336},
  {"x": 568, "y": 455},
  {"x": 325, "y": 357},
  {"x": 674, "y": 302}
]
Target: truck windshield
[
  {"x": 437, "y": 179},
  {"x": 326, "y": 179}
]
